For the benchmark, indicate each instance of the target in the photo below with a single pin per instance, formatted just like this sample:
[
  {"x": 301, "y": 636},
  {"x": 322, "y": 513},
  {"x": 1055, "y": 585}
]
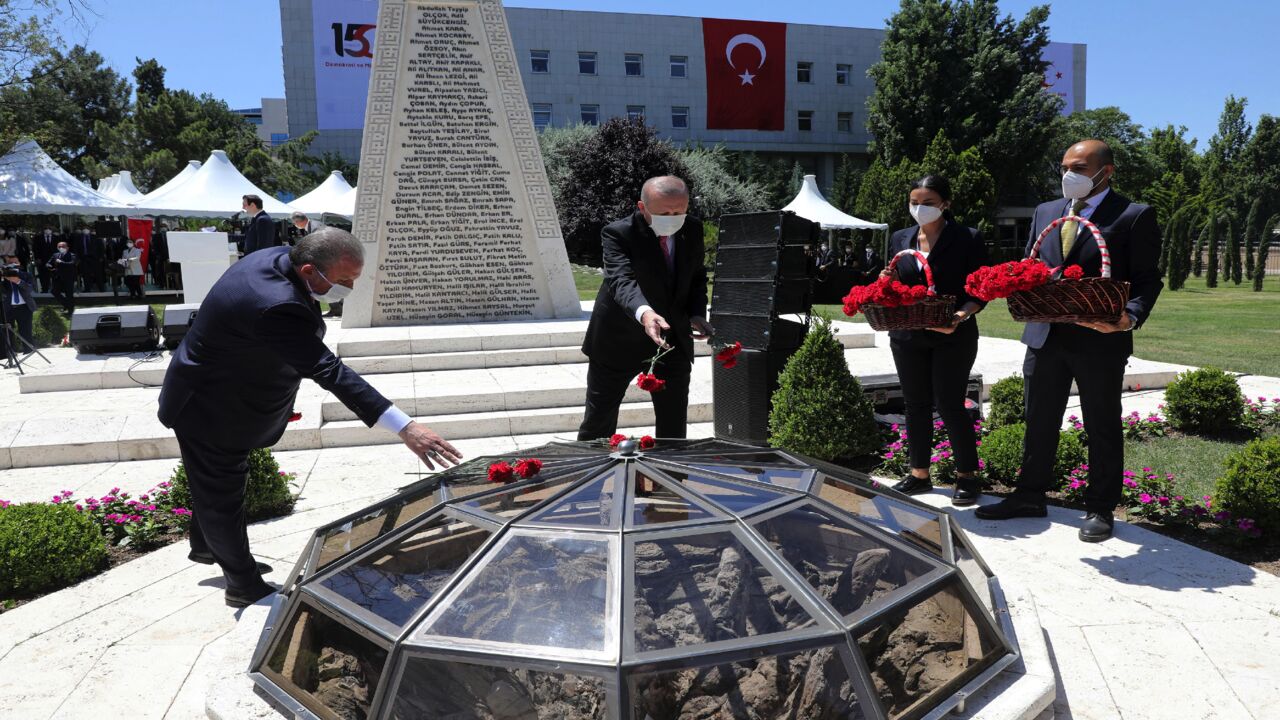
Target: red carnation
[
  {"x": 650, "y": 382},
  {"x": 617, "y": 440},
  {"x": 728, "y": 356},
  {"x": 295, "y": 416},
  {"x": 501, "y": 472},
  {"x": 1074, "y": 272},
  {"x": 647, "y": 442},
  {"x": 528, "y": 467}
]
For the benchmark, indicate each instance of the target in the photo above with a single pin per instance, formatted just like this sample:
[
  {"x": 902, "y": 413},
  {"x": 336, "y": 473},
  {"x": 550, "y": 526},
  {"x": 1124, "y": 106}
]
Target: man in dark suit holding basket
[{"x": 1092, "y": 354}]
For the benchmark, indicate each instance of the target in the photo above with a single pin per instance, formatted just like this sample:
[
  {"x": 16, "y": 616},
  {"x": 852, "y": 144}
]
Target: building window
[
  {"x": 804, "y": 120},
  {"x": 679, "y": 117},
  {"x": 540, "y": 61},
  {"x": 279, "y": 138},
  {"x": 634, "y": 63},
  {"x": 804, "y": 72},
  {"x": 844, "y": 122},
  {"x": 635, "y": 112},
  {"x": 590, "y": 114},
  {"x": 586, "y": 63},
  {"x": 679, "y": 66},
  {"x": 843, "y": 73},
  {"x": 541, "y": 115}
]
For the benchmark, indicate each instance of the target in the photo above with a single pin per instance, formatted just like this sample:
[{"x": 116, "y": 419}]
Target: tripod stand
[{"x": 11, "y": 339}]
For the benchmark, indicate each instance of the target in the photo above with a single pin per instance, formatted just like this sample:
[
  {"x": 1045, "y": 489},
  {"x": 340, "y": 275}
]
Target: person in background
[
  {"x": 260, "y": 232},
  {"x": 8, "y": 243},
  {"x": 847, "y": 258},
  {"x": 158, "y": 258},
  {"x": 46, "y": 244},
  {"x": 63, "y": 266},
  {"x": 19, "y": 303},
  {"x": 934, "y": 364},
  {"x": 131, "y": 260},
  {"x": 88, "y": 250}
]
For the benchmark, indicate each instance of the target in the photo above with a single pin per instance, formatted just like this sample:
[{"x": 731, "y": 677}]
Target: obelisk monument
[{"x": 454, "y": 207}]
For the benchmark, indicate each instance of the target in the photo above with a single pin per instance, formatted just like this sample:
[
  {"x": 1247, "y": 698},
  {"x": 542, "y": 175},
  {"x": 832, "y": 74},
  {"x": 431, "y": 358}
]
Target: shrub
[
  {"x": 266, "y": 496},
  {"x": 1001, "y": 454},
  {"x": 45, "y": 545},
  {"x": 895, "y": 460},
  {"x": 1250, "y": 484},
  {"x": 1007, "y": 406},
  {"x": 1206, "y": 401},
  {"x": 819, "y": 408},
  {"x": 49, "y": 327}
]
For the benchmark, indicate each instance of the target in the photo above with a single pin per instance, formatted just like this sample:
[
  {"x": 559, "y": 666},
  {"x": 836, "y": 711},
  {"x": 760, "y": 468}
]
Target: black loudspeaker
[
  {"x": 762, "y": 272},
  {"x": 177, "y": 320},
  {"x": 118, "y": 329},
  {"x": 743, "y": 395},
  {"x": 761, "y": 262},
  {"x": 760, "y": 332}
]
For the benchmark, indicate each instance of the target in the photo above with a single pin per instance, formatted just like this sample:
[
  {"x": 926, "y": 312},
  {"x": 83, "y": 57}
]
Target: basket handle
[
  {"x": 1097, "y": 234},
  {"x": 924, "y": 263}
]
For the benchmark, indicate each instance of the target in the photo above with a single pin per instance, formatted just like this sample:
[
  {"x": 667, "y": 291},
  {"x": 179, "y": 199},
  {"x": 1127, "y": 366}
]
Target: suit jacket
[
  {"x": 234, "y": 377},
  {"x": 958, "y": 251},
  {"x": 45, "y": 249},
  {"x": 86, "y": 246},
  {"x": 26, "y": 293},
  {"x": 635, "y": 274},
  {"x": 1133, "y": 238},
  {"x": 64, "y": 265},
  {"x": 260, "y": 234}
]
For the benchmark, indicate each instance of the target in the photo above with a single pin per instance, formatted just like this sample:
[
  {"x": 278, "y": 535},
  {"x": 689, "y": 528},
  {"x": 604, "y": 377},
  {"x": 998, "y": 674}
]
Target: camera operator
[{"x": 19, "y": 302}]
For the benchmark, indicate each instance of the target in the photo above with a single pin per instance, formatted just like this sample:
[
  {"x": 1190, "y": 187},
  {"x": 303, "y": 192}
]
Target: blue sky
[{"x": 1161, "y": 61}]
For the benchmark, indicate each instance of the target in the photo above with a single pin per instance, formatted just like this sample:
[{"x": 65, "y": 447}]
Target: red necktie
[{"x": 665, "y": 243}]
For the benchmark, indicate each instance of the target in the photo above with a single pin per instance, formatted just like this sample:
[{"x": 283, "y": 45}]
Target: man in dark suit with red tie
[
  {"x": 654, "y": 296},
  {"x": 1093, "y": 355}
]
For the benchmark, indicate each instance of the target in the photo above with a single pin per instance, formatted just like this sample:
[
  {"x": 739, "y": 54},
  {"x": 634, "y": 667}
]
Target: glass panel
[
  {"x": 707, "y": 588},
  {"x": 656, "y": 504},
  {"x": 920, "y": 655},
  {"x": 793, "y": 478},
  {"x": 591, "y": 505},
  {"x": 846, "y": 567},
  {"x": 745, "y": 456},
  {"x": 584, "y": 448},
  {"x": 535, "y": 591},
  {"x": 397, "y": 581},
  {"x": 812, "y": 685},
  {"x": 920, "y": 527},
  {"x": 342, "y": 540},
  {"x": 516, "y": 500},
  {"x": 734, "y": 497},
  {"x": 325, "y": 665},
  {"x": 967, "y": 562},
  {"x": 443, "y": 690}
]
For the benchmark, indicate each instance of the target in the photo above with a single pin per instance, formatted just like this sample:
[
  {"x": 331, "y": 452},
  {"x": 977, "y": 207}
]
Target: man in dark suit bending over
[
  {"x": 655, "y": 284},
  {"x": 1094, "y": 355},
  {"x": 231, "y": 385}
]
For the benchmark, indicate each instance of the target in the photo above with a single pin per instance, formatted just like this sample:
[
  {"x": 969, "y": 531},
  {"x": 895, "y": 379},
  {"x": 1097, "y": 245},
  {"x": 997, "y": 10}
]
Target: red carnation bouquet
[
  {"x": 1005, "y": 279},
  {"x": 891, "y": 304},
  {"x": 647, "y": 442},
  {"x": 727, "y": 356},
  {"x": 504, "y": 472}
]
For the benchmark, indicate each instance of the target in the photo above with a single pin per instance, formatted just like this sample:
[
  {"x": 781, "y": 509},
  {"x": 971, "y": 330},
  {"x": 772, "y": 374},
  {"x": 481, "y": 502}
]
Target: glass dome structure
[{"x": 697, "y": 580}]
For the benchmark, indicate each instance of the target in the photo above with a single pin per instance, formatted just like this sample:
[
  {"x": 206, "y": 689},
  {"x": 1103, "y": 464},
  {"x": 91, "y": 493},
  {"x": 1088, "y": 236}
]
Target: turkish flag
[
  {"x": 140, "y": 233},
  {"x": 746, "y": 74}
]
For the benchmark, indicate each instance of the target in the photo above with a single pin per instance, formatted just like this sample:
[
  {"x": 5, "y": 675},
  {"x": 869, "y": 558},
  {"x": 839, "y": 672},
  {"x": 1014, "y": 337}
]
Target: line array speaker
[{"x": 743, "y": 395}]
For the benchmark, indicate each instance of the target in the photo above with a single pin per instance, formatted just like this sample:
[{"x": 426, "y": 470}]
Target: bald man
[
  {"x": 1093, "y": 355},
  {"x": 654, "y": 295}
]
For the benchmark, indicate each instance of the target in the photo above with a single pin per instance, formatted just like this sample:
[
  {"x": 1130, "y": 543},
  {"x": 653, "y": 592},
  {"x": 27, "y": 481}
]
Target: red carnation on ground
[
  {"x": 295, "y": 416},
  {"x": 728, "y": 356},
  {"x": 501, "y": 472},
  {"x": 617, "y": 440},
  {"x": 528, "y": 467},
  {"x": 650, "y": 382},
  {"x": 1074, "y": 272},
  {"x": 647, "y": 442}
]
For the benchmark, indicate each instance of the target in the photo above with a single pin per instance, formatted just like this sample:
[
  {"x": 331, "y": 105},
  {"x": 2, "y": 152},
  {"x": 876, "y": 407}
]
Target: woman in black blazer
[{"x": 934, "y": 364}]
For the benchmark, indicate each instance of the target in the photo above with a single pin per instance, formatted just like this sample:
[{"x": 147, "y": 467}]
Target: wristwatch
[{"x": 1133, "y": 321}]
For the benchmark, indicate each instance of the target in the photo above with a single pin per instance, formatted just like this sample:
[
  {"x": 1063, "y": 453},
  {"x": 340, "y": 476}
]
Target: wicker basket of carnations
[{"x": 889, "y": 304}]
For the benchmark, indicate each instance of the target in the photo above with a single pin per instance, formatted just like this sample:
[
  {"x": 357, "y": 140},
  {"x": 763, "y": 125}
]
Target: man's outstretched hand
[
  {"x": 701, "y": 329},
  {"x": 428, "y": 446},
  {"x": 654, "y": 326}
]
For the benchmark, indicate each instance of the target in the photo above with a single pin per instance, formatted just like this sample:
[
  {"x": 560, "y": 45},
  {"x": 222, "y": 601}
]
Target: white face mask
[
  {"x": 666, "y": 224},
  {"x": 1076, "y": 186},
  {"x": 336, "y": 293},
  {"x": 924, "y": 214}
]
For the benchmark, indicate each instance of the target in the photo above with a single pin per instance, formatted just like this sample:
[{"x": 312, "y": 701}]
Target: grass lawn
[
  {"x": 1195, "y": 462},
  {"x": 1230, "y": 327},
  {"x": 588, "y": 281}
]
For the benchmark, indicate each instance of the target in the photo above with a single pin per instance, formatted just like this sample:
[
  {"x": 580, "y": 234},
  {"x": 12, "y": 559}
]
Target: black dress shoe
[
  {"x": 1012, "y": 507},
  {"x": 912, "y": 485},
  {"x": 967, "y": 492},
  {"x": 207, "y": 559},
  {"x": 244, "y": 597},
  {"x": 1097, "y": 527}
]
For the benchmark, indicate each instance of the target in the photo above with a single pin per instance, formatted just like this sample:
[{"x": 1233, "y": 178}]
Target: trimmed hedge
[
  {"x": 1001, "y": 453},
  {"x": 49, "y": 327},
  {"x": 267, "y": 494},
  {"x": 1007, "y": 402},
  {"x": 1205, "y": 401},
  {"x": 46, "y": 546},
  {"x": 1250, "y": 484}
]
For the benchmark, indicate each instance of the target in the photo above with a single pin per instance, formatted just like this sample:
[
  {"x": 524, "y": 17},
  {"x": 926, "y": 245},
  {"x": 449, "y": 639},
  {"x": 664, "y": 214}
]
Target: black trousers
[
  {"x": 934, "y": 373},
  {"x": 64, "y": 291},
  {"x": 1099, "y": 377},
  {"x": 22, "y": 315},
  {"x": 607, "y": 385},
  {"x": 134, "y": 283},
  {"x": 217, "y": 477},
  {"x": 44, "y": 275},
  {"x": 92, "y": 274}
]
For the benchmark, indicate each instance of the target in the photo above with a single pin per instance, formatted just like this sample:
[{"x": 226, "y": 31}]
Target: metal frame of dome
[{"x": 709, "y": 475}]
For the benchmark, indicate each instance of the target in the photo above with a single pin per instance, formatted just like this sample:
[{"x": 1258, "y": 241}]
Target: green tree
[
  {"x": 1224, "y": 181},
  {"x": 882, "y": 196},
  {"x": 1180, "y": 251},
  {"x": 1231, "y": 270},
  {"x": 844, "y": 188},
  {"x": 555, "y": 144},
  {"x": 796, "y": 181},
  {"x": 719, "y": 192},
  {"x": 771, "y": 173},
  {"x": 604, "y": 178},
  {"x": 1267, "y": 236},
  {"x": 973, "y": 191},
  {"x": 1213, "y": 230},
  {"x": 1252, "y": 232},
  {"x": 1259, "y": 163},
  {"x": 1168, "y": 195},
  {"x": 1135, "y": 169},
  {"x": 959, "y": 67},
  {"x": 1171, "y": 152},
  {"x": 30, "y": 30}
]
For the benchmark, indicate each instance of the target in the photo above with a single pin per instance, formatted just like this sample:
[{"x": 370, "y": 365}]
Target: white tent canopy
[
  {"x": 810, "y": 205},
  {"x": 175, "y": 181},
  {"x": 328, "y": 197},
  {"x": 32, "y": 183},
  {"x": 215, "y": 190},
  {"x": 106, "y": 184},
  {"x": 120, "y": 187}
]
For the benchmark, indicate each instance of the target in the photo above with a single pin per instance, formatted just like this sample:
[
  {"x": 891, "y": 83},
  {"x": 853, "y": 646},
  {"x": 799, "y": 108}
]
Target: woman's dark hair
[{"x": 938, "y": 184}]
